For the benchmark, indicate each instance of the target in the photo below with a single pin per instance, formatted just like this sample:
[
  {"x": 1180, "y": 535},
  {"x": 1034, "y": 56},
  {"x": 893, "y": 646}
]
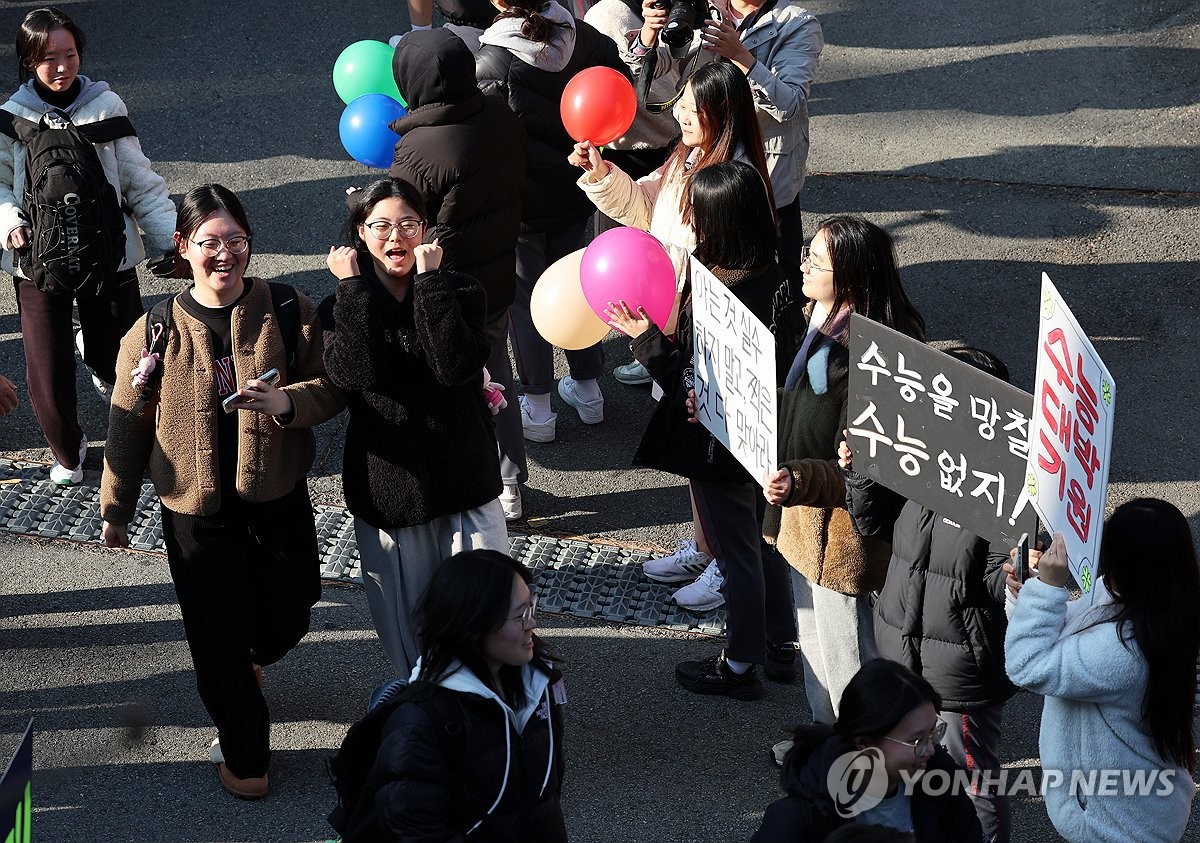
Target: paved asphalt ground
[{"x": 996, "y": 141}]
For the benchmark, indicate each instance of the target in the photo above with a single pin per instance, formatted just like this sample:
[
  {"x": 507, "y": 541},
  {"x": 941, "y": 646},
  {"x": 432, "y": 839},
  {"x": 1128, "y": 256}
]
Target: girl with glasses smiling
[
  {"x": 889, "y": 720},
  {"x": 408, "y": 341}
]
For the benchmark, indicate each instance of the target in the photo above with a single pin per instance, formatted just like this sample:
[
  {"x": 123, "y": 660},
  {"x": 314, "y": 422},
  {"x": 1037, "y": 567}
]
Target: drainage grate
[{"x": 571, "y": 576}]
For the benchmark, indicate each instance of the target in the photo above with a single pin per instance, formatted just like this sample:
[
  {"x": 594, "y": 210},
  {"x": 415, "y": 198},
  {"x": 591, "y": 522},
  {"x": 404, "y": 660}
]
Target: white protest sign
[
  {"x": 735, "y": 374},
  {"x": 1070, "y": 435}
]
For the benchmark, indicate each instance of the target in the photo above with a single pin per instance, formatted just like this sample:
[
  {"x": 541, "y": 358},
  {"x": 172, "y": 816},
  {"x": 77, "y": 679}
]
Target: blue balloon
[{"x": 364, "y": 129}]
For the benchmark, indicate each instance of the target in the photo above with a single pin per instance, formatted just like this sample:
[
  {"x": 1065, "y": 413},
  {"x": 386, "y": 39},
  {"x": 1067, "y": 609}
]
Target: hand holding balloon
[
  {"x": 587, "y": 157},
  {"x": 621, "y": 317}
]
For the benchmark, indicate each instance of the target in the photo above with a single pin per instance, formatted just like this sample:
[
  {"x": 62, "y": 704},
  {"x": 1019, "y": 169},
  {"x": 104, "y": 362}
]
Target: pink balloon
[{"x": 631, "y": 265}]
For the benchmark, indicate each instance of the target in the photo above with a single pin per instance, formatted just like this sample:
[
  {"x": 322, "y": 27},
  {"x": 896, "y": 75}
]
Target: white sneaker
[
  {"x": 510, "y": 502},
  {"x": 60, "y": 475},
  {"x": 394, "y": 41},
  {"x": 103, "y": 389},
  {"x": 633, "y": 374},
  {"x": 684, "y": 565},
  {"x": 704, "y": 594},
  {"x": 590, "y": 412},
  {"x": 214, "y": 752},
  {"x": 536, "y": 431}
]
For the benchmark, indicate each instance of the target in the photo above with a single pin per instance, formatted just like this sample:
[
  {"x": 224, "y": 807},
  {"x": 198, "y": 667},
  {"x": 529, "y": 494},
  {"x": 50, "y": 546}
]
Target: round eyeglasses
[
  {"x": 806, "y": 257},
  {"x": 382, "y": 229},
  {"x": 924, "y": 745},
  {"x": 212, "y": 247},
  {"x": 528, "y": 616}
]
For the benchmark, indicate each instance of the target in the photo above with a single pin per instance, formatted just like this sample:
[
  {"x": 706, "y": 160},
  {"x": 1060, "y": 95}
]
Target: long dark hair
[
  {"x": 467, "y": 600},
  {"x": 534, "y": 26},
  {"x": 362, "y": 202},
  {"x": 197, "y": 205},
  {"x": 725, "y": 109},
  {"x": 865, "y": 275},
  {"x": 733, "y": 218},
  {"x": 35, "y": 31},
  {"x": 1148, "y": 561},
  {"x": 878, "y": 697}
]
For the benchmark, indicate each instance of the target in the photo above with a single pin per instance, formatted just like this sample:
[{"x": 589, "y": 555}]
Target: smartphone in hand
[
  {"x": 1021, "y": 568},
  {"x": 231, "y": 403}
]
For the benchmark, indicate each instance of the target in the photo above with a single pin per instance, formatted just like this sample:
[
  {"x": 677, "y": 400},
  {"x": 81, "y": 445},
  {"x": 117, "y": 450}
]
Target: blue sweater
[{"x": 1092, "y": 719}]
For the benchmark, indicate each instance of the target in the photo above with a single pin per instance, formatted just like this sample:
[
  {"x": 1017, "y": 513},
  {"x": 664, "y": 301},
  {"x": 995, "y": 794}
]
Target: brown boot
[{"x": 251, "y": 788}]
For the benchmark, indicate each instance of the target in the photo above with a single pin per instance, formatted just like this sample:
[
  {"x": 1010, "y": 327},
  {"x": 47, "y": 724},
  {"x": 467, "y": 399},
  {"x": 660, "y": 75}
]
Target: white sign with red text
[{"x": 1070, "y": 435}]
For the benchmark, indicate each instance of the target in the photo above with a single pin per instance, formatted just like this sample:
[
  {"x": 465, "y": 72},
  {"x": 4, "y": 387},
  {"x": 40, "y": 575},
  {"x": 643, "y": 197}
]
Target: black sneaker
[
  {"x": 781, "y": 662},
  {"x": 713, "y": 676}
]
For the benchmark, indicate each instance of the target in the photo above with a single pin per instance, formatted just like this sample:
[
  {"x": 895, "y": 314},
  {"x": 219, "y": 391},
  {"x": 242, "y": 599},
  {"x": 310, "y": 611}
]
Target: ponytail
[{"x": 534, "y": 25}]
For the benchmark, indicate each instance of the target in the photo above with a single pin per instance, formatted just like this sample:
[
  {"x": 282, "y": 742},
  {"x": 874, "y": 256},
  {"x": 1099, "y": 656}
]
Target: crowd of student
[{"x": 215, "y": 392}]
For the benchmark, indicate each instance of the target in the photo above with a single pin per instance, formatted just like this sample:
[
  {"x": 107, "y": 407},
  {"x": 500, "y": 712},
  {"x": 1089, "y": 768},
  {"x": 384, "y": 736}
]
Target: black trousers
[
  {"x": 758, "y": 586},
  {"x": 791, "y": 241},
  {"x": 47, "y": 334},
  {"x": 246, "y": 578}
]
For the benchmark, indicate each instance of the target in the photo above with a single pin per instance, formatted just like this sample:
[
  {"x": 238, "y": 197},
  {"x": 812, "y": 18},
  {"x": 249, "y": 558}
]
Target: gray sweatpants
[
  {"x": 397, "y": 566},
  {"x": 837, "y": 635}
]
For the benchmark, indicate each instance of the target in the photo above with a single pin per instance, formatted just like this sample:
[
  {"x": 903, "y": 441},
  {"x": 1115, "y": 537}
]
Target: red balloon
[{"x": 598, "y": 105}]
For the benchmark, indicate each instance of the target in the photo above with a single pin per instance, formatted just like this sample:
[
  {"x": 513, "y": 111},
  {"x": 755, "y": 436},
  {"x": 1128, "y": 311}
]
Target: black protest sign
[
  {"x": 16, "y": 809},
  {"x": 940, "y": 432}
]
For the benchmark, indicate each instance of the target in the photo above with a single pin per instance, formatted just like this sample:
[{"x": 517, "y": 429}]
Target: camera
[{"x": 684, "y": 17}]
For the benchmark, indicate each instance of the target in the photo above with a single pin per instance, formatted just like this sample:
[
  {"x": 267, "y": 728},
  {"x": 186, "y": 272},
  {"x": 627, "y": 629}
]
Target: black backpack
[
  {"x": 78, "y": 226},
  {"x": 354, "y": 817},
  {"x": 284, "y": 303}
]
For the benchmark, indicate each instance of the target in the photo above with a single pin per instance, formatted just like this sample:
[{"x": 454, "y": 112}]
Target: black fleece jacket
[
  {"x": 420, "y": 443},
  {"x": 465, "y": 152}
]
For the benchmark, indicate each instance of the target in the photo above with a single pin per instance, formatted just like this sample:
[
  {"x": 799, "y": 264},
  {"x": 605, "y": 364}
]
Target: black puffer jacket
[
  {"x": 421, "y": 442},
  {"x": 807, "y": 814},
  {"x": 465, "y": 152},
  {"x": 672, "y": 442},
  {"x": 941, "y": 610},
  {"x": 456, "y": 760},
  {"x": 551, "y": 200}
]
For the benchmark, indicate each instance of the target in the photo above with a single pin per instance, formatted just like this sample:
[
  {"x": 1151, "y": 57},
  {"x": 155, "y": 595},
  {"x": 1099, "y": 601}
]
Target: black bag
[
  {"x": 78, "y": 226},
  {"x": 158, "y": 328},
  {"x": 349, "y": 770}
]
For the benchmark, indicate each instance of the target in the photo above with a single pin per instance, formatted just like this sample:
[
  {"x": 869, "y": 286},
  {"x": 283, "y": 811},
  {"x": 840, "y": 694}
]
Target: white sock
[
  {"x": 416, "y": 28},
  {"x": 738, "y": 667},
  {"x": 588, "y": 390},
  {"x": 539, "y": 407}
]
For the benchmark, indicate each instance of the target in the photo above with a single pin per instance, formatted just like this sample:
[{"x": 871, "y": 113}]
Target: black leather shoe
[
  {"x": 713, "y": 676},
  {"x": 781, "y": 662}
]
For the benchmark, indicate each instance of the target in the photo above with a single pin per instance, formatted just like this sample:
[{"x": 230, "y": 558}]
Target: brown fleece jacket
[
  {"x": 816, "y": 535},
  {"x": 176, "y": 434}
]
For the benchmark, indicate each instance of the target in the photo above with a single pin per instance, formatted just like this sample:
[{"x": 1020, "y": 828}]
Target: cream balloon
[{"x": 560, "y": 312}]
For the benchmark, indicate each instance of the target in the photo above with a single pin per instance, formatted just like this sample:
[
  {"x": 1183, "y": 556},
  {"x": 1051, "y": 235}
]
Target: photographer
[{"x": 777, "y": 44}]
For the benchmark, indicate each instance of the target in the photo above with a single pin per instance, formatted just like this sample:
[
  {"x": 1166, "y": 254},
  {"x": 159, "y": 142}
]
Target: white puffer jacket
[{"x": 140, "y": 189}]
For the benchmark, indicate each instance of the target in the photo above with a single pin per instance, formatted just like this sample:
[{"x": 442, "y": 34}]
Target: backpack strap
[
  {"x": 158, "y": 328},
  {"x": 286, "y": 305},
  {"x": 17, "y": 128},
  {"x": 102, "y": 131},
  {"x": 108, "y": 129}
]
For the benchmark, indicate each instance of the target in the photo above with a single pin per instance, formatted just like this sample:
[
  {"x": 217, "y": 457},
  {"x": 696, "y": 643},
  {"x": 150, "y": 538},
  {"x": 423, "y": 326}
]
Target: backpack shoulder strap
[
  {"x": 286, "y": 304},
  {"x": 158, "y": 328},
  {"x": 17, "y": 128},
  {"x": 109, "y": 129}
]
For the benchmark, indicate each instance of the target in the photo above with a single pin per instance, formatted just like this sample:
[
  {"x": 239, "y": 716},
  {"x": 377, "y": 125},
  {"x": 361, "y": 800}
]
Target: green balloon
[{"x": 365, "y": 67}]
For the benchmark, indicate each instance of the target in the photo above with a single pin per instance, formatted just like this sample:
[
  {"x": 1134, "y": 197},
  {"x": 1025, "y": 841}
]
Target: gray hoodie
[{"x": 551, "y": 56}]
